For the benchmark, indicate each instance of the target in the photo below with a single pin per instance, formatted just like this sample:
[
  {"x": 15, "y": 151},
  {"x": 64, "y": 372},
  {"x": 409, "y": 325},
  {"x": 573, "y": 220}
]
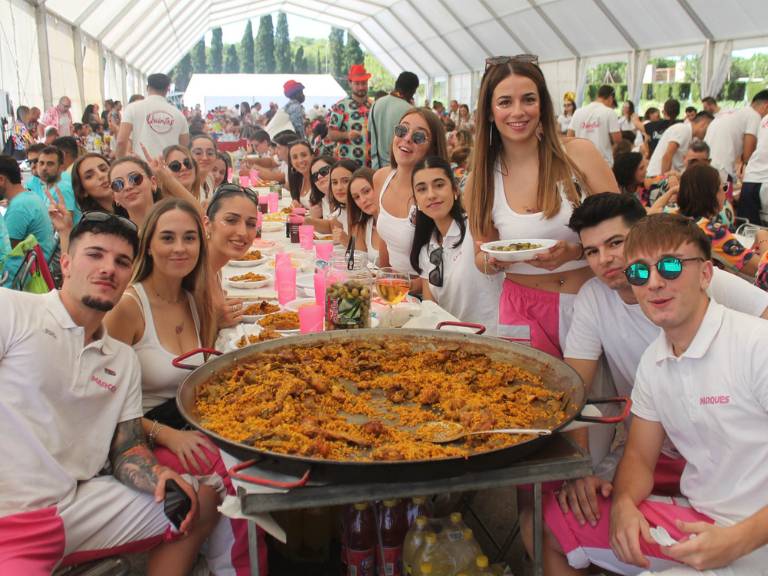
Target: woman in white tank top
[
  {"x": 419, "y": 134},
  {"x": 524, "y": 185},
  {"x": 363, "y": 212},
  {"x": 166, "y": 313}
]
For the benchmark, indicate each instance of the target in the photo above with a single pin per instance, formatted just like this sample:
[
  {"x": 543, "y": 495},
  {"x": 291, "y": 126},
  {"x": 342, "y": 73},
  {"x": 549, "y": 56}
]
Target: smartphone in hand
[{"x": 177, "y": 504}]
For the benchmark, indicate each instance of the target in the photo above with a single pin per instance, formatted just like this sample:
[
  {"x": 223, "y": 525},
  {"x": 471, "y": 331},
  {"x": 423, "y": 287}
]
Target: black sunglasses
[
  {"x": 134, "y": 179},
  {"x": 176, "y": 165},
  {"x": 322, "y": 173},
  {"x": 98, "y": 216},
  {"x": 417, "y": 136},
  {"x": 669, "y": 267},
  {"x": 520, "y": 58},
  {"x": 436, "y": 259},
  {"x": 231, "y": 190}
]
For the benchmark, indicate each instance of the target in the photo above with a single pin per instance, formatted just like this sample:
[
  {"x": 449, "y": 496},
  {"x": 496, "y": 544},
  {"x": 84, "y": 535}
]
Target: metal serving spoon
[{"x": 442, "y": 432}]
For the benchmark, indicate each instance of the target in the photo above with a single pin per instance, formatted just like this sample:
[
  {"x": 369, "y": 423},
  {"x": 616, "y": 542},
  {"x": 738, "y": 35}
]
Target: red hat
[
  {"x": 291, "y": 88},
  {"x": 358, "y": 73}
]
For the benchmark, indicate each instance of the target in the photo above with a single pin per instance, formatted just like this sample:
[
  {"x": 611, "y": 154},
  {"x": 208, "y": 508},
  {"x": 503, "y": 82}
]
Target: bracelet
[{"x": 153, "y": 432}]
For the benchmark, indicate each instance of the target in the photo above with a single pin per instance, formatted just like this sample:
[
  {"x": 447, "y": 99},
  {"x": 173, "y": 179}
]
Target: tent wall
[{"x": 19, "y": 62}]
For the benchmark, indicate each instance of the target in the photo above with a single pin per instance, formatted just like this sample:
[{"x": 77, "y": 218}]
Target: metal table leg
[
  {"x": 253, "y": 547},
  {"x": 538, "y": 568}
]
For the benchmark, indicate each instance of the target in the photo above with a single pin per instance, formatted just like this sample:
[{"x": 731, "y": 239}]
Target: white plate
[
  {"x": 252, "y": 318},
  {"x": 518, "y": 255},
  {"x": 272, "y": 226},
  {"x": 294, "y": 305},
  {"x": 249, "y": 285},
  {"x": 247, "y": 263},
  {"x": 294, "y": 331}
]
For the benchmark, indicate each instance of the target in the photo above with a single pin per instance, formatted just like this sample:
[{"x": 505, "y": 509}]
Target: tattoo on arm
[{"x": 133, "y": 463}]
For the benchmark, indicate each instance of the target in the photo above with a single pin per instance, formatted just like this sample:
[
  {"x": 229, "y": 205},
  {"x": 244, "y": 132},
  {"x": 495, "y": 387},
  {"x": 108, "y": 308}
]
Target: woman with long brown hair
[
  {"x": 524, "y": 184},
  {"x": 420, "y": 133},
  {"x": 184, "y": 168}
]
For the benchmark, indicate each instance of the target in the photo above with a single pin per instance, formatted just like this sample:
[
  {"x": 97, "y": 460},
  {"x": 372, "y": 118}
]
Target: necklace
[{"x": 178, "y": 328}]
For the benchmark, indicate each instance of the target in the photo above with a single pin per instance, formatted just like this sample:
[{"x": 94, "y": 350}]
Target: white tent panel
[
  {"x": 744, "y": 17},
  {"x": 91, "y": 77},
  {"x": 19, "y": 65},
  {"x": 471, "y": 11},
  {"x": 63, "y": 81},
  {"x": 538, "y": 36},
  {"x": 467, "y": 47},
  {"x": 129, "y": 25},
  {"x": 506, "y": 7},
  {"x": 653, "y": 23},
  {"x": 496, "y": 39},
  {"x": 578, "y": 20}
]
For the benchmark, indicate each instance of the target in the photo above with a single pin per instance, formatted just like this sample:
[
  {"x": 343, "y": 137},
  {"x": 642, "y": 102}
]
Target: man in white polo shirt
[
  {"x": 670, "y": 152},
  {"x": 598, "y": 122},
  {"x": 753, "y": 202},
  {"x": 732, "y": 136},
  {"x": 704, "y": 384},
  {"x": 71, "y": 404}
]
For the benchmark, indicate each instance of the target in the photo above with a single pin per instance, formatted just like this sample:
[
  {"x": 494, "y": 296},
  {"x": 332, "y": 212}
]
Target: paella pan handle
[
  {"x": 178, "y": 362},
  {"x": 234, "y": 472},
  {"x": 479, "y": 327},
  {"x": 608, "y": 419}
]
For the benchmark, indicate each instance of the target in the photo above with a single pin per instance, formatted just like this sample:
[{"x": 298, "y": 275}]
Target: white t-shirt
[
  {"x": 60, "y": 401},
  {"x": 712, "y": 401},
  {"x": 725, "y": 137},
  {"x": 757, "y": 167},
  {"x": 596, "y": 122},
  {"x": 680, "y": 133},
  {"x": 467, "y": 293},
  {"x": 156, "y": 124}
]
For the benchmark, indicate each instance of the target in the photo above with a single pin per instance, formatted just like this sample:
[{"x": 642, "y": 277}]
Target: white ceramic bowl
[
  {"x": 250, "y": 285},
  {"x": 491, "y": 248}
]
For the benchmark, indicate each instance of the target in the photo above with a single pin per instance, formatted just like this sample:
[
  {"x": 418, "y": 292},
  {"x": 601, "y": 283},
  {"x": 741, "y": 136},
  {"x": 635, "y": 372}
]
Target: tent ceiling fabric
[{"x": 435, "y": 38}]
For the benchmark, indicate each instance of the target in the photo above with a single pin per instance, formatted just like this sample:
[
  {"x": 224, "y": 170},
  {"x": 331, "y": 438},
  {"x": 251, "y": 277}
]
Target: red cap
[
  {"x": 358, "y": 73},
  {"x": 292, "y": 88}
]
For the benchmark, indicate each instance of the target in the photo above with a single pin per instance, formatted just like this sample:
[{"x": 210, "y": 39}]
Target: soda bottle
[
  {"x": 394, "y": 526},
  {"x": 418, "y": 506},
  {"x": 434, "y": 553},
  {"x": 413, "y": 541},
  {"x": 465, "y": 551},
  {"x": 361, "y": 541}
]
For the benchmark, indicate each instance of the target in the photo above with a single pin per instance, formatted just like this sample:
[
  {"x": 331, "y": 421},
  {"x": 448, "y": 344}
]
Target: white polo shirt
[
  {"x": 156, "y": 124},
  {"x": 596, "y": 122},
  {"x": 60, "y": 401},
  {"x": 725, "y": 137},
  {"x": 713, "y": 404},
  {"x": 757, "y": 167},
  {"x": 682, "y": 134},
  {"x": 467, "y": 293}
]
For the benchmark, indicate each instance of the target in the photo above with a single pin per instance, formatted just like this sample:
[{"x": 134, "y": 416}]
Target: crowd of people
[{"x": 648, "y": 269}]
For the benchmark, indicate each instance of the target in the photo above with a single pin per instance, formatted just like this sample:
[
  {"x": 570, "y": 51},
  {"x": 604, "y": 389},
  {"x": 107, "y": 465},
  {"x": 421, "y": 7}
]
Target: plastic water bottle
[
  {"x": 454, "y": 532},
  {"x": 482, "y": 566},
  {"x": 465, "y": 552},
  {"x": 413, "y": 541},
  {"x": 434, "y": 553}
]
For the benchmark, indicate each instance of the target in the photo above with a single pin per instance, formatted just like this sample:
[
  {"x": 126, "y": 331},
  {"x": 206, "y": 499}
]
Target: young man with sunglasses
[
  {"x": 607, "y": 319},
  {"x": 72, "y": 492}
]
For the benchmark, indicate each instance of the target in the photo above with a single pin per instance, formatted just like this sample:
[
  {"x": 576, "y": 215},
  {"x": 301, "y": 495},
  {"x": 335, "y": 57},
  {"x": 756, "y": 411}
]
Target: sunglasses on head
[
  {"x": 669, "y": 268},
  {"x": 134, "y": 179},
  {"x": 97, "y": 216},
  {"x": 520, "y": 58},
  {"x": 231, "y": 190},
  {"x": 436, "y": 259},
  {"x": 417, "y": 136},
  {"x": 176, "y": 165},
  {"x": 322, "y": 173}
]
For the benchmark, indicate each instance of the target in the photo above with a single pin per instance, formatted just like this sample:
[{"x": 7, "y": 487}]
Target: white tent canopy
[
  {"x": 96, "y": 49},
  {"x": 211, "y": 90}
]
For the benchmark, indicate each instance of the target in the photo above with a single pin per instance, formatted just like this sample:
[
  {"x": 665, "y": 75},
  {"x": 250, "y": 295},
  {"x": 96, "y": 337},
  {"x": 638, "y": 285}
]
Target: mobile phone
[{"x": 177, "y": 504}]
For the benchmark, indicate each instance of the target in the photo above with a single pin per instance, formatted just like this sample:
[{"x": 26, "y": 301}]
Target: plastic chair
[{"x": 34, "y": 263}]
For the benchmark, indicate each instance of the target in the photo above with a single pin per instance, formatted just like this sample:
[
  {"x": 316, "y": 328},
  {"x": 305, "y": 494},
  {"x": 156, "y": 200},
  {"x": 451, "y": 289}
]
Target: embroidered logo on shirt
[
  {"x": 49, "y": 333},
  {"x": 708, "y": 400},
  {"x": 103, "y": 383}
]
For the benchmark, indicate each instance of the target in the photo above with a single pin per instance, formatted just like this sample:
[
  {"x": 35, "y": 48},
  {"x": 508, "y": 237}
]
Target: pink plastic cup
[
  {"x": 282, "y": 260},
  {"x": 319, "y": 278},
  {"x": 324, "y": 250},
  {"x": 245, "y": 181},
  {"x": 254, "y": 174},
  {"x": 273, "y": 198},
  {"x": 286, "y": 284},
  {"x": 306, "y": 236},
  {"x": 311, "y": 319}
]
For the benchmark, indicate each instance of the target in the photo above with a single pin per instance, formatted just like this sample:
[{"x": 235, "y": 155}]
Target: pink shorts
[
  {"x": 536, "y": 317},
  {"x": 585, "y": 545}
]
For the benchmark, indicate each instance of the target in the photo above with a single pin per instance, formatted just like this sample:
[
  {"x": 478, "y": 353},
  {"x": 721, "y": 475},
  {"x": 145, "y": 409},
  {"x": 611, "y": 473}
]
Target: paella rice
[{"x": 362, "y": 401}]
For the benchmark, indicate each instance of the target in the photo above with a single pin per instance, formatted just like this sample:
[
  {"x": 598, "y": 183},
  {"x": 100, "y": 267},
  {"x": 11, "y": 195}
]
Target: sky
[{"x": 297, "y": 26}]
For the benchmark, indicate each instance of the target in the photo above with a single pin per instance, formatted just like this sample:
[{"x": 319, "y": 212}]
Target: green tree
[
  {"x": 199, "y": 64},
  {"x": 318, "y": 63},
  {"x": 381, "y": 79},
  {"x": 265, "y": 46},
  {"x": 283, "y": 62},
  {"x": 183, "y": 72},
  {"x": 336, "y": 52},
  {"x": 247, "y": 53},
  {"x": 353, "y": 54},
  {"x": 300, "y": 64},
  {"x": 608, "y": 73},
  {"x": 232, "y": 62},
  {"x": 217, "y": 52}
]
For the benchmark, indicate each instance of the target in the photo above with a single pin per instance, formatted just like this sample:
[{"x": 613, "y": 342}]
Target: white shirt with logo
[
  {"x": 156, "y": 124},
  {"x": 757, "y": 167},
  {"x": 596, "y": 122},
  {"x": 712, "y": 401},
  {"x": 682, "y": 135},
  {"x": 725, "y": 137},
  {"x": 60, "y": 401}
]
